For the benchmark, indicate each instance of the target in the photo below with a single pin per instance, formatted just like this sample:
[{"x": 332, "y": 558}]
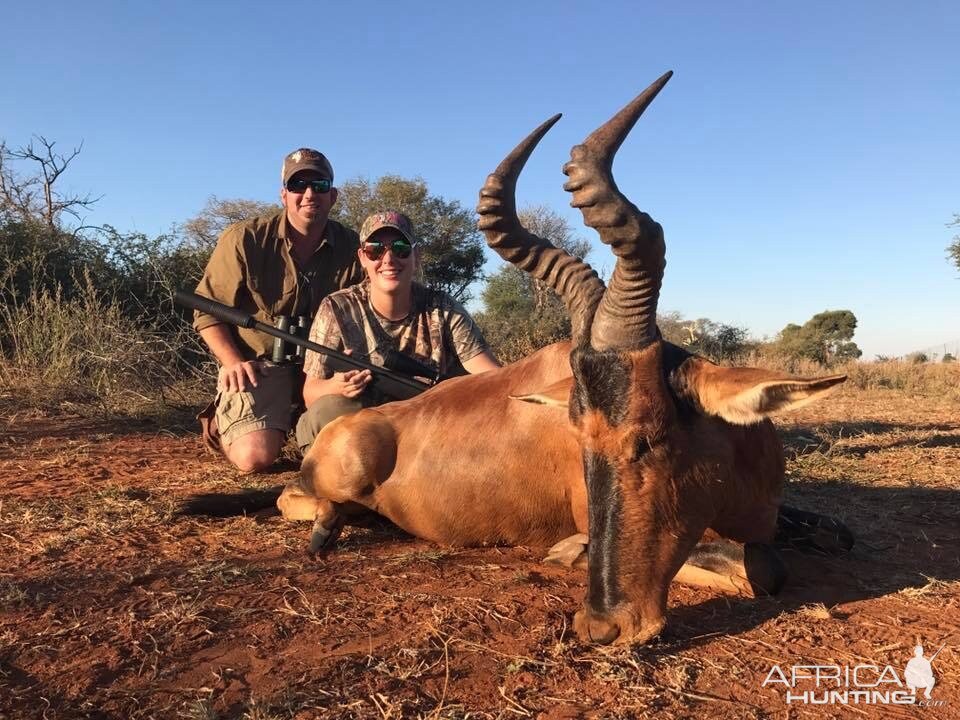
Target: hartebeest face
[
  {"x": 659, "y": 470},
  {"x": 637, "y": 467},
  {"x": 655, "y": 465}
]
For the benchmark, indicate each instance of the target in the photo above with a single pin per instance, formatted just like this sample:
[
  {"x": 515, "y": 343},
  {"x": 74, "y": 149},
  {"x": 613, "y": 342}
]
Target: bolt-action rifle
[{"x": 396, "y": 380}]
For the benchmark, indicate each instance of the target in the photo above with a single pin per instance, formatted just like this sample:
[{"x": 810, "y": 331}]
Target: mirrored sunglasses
[
  {"x": 300, "y": 185},
  {"x": 400, "y": 247}
]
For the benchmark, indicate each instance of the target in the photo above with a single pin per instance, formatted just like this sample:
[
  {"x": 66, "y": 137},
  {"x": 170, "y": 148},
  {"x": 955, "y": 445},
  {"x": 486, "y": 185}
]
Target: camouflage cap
[
  {"x": 387, "y": 219},
  {"x": 305, "y": 159}
]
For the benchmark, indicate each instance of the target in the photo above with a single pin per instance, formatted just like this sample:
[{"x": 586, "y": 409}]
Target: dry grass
[
  {"x": 913, "y": 378},
  {"x": 88, "y": 353},
  {"x": 511, "y": 346},
  {"x": 928, "y": 379},
  {"x": 816, "y": 611}
]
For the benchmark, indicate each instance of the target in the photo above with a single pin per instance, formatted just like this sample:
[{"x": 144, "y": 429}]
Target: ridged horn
[
  {"x": 572, "y": 279},
  {"x": 627, "y": 315}
]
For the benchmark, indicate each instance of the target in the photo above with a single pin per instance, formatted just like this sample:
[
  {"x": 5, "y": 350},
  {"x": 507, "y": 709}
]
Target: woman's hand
[{"x": 350, "y": 383}]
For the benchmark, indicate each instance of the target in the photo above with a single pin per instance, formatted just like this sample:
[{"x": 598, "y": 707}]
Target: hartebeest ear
[
  {"x": 747, "y": 395},
  {"x": 556, "y": 395}
]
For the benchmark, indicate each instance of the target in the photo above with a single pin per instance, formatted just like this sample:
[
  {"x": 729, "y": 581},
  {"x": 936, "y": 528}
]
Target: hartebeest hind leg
[
  {"x": 296, "y": 504},
  {"x": 328, "y": 518},
  {"x": 327, "y": 525}
]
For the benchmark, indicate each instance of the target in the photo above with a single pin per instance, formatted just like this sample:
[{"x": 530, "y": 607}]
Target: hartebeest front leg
[
  {"x": 811, "y": 532},
  {"x": 724, "y": 566},
  {"x": 746, "y": 570},
  {"x": 570, "y": 552}
]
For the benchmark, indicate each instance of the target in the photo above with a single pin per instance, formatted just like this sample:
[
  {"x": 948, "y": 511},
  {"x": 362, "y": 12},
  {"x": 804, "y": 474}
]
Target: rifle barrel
[{"x": 391, "y": 383}]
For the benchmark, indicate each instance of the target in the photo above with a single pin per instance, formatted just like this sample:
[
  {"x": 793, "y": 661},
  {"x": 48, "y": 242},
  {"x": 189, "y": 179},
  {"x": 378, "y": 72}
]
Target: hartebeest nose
[
  {"x": 597, "y": 627},
  {"x": 603, "y": 631}
]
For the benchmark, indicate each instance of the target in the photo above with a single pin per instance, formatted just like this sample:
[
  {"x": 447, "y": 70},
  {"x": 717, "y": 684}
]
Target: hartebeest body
[{"x": 617, "y": 436}]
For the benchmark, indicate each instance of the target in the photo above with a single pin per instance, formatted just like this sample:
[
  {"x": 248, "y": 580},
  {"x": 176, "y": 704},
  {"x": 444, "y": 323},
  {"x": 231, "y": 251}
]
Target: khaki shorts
[{"x": 269, "y": 406}]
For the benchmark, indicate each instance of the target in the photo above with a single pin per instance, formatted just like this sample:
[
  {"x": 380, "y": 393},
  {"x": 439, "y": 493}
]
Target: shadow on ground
[{"x": 905, "y": 538}]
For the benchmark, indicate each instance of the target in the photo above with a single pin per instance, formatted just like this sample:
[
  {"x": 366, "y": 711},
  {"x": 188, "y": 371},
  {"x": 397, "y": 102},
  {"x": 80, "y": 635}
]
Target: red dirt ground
[{"x": 112, "y": 606}]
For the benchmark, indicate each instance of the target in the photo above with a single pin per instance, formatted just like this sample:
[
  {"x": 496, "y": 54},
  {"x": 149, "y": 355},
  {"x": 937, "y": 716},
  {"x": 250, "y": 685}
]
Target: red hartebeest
[{"x": 673, "y": 448}]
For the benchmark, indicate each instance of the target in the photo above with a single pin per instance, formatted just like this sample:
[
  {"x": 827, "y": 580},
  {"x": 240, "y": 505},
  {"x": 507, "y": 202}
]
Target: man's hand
[
  {"x": 238, "y": 377},
  {"x": 350, "y": 383},
  {"x": 236, "y": 374}
]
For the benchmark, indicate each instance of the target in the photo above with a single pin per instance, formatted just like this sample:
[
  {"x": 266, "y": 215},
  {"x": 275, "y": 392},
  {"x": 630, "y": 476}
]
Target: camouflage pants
[{"x": 324, "y": 410}]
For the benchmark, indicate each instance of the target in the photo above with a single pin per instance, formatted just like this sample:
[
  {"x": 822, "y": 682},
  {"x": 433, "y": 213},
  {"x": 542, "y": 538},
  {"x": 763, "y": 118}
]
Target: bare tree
[
  {"x": 34, "y": 197},
  {"x": 703, "y": 336},
  {"x": 546, "y": 222},
  {"x": 217, "y": 215}
]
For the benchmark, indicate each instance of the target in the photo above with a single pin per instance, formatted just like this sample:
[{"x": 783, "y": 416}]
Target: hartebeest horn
[
  {"x": 572, "y": 279},
  {"x": 627, "y": 314}
]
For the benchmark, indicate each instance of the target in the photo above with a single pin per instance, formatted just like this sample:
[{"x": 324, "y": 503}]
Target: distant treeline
[{"x": 86, "y": 313}]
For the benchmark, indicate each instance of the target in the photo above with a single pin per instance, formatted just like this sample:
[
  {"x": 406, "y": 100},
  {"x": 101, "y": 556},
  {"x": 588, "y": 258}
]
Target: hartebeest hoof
[
  {"x": 766, "y": 571},
  {"x": 326, "y": 528},
  {"x": 322, "y": 539},
  {"x": 750, "y": 571},
  {"x": 569, "y": 552}
]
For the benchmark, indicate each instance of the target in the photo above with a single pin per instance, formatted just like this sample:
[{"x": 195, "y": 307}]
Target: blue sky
[{"x": 805, "y": 156}]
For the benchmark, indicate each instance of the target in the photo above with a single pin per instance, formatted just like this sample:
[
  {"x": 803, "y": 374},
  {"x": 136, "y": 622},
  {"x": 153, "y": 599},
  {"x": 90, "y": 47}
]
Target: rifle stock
[{"x": 390, "y": 382}]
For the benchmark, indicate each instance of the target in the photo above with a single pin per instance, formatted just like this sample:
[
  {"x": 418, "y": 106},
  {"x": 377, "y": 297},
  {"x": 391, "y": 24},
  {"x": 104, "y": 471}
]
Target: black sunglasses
[
  {"x": 400, "y": 247},
  {"x": 300, "y": 185}
]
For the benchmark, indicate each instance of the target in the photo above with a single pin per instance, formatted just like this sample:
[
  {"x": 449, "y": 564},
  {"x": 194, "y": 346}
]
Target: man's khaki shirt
[{"x": 253, "y": 270}]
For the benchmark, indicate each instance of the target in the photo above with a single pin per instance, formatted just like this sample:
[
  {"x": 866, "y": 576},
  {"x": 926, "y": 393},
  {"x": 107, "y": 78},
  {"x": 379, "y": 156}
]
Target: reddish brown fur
[
  {"x": 698, "y": 473},
  {"x": 471, "y": 466},
  {"x": 668, "y": 452},
  {"x": 466, "y": 464},
  {"x": 661, "y": 464}
]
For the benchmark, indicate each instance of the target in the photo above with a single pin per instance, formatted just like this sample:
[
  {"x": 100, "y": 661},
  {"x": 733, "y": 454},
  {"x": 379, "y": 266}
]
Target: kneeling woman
[{"x": 388, "y": 311}]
